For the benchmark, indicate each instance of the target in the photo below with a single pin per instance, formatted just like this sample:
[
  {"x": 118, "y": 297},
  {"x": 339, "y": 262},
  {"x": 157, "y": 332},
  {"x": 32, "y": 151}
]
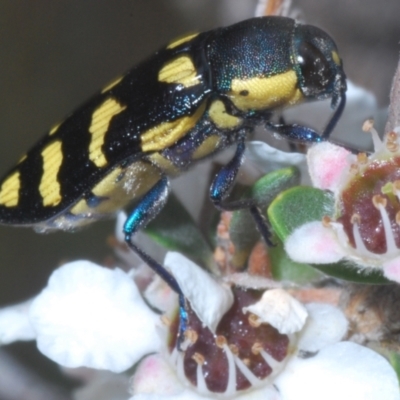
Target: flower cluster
[{"x": 266, "y": 345}]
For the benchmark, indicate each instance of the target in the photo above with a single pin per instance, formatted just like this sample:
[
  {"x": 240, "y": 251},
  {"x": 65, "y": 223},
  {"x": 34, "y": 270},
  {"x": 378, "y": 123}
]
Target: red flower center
[
  {"x": 246, "y": 339},
  {"x": 376, "y": 184}
]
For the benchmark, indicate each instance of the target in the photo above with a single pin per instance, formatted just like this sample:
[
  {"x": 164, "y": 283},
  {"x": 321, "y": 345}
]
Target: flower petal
[
  {"x": 325, "y": 325},
  {"x": 313, "y": 243},
  {"x": 209, "y": 299},
  {"x": 326, "y": 164},
  {"x": 160, "y": 295},
  {"x": 267, "y": 158},
  {"x": 343, "y": 371},
  {"x": 279, "y": 309},
  {"x": 94, "y": 317},
  {"x": 154, "y": 375},
  {"x": 155, "y": 379},
  {"x": 391, "y": 269},
  {"x": 15, "y": 324}
]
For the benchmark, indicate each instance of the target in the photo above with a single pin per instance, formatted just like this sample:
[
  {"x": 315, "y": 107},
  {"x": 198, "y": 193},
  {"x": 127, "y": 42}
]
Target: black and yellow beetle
[{"x": 188, "y": 101}]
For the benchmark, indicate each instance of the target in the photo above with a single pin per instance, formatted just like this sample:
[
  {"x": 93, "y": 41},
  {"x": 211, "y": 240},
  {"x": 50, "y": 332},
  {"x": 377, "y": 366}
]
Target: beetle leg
[
  {"x": 300, "y": 133},
  {"x": 222, "y": 185},
  {"x": 147, "y": 208},
  {"x": 296, "y": 133}
]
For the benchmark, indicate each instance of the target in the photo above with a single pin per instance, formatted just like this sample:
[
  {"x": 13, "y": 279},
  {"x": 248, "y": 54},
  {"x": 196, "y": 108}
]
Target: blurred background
[{"x": 54, "y": 54}]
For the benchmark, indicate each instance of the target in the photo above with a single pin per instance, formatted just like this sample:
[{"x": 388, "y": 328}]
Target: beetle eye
[{"x": 315, "y": 69}]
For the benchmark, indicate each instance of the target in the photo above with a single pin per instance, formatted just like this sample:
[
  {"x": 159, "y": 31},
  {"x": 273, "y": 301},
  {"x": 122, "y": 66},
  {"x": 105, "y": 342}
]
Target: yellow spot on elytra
[
  {"x": 54, "y": 129},
  {"x": 80, "y": 207},
  {"x": 220, "y": 116},
  {"x": 336, "y": 58},
  {"x": 119, "y": 187},
  {"x": 168, "y": 133},
  {"x": 181, "y": 70},
  {"x": 9, "y": 192},
  {"x": 112, "y": 84},
  {"x": 206, "y": 148},
  {"x": 265, "y": 93},
  {"x": 181, "y": 40},
  {"x": 49, "y": 187},
  {"x": 164, "y": 164},
  {"x": 107, "y": 185},
  {"x": 101, "y": 119}
]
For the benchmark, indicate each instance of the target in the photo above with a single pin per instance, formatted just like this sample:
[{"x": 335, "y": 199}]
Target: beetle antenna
[{"x": 335, "y": 117}]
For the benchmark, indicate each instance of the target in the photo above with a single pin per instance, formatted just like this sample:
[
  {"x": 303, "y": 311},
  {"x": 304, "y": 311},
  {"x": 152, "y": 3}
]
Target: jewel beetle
[{"x": 198, "y": 95}]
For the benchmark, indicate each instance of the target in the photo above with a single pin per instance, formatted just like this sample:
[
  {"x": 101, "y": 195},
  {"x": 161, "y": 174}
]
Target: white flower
[
  {"x": 365, "y": 228},
  {"x": 77, "y": 316}
]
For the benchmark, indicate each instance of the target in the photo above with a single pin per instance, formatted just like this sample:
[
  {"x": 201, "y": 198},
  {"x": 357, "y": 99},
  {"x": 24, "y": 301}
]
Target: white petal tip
[
  {"x": 313, "y": 243},
  {"x": 279, "y": 309}
]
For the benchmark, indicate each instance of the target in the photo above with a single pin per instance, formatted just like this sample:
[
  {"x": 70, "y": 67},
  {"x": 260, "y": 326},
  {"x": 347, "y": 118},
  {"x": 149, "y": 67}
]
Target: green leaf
[
  {"x": 243, "y": 231},
  {"x": 175, "y": 230},
  {"x": 394, "y": 359},
  {"x": 297, "y": 206},
  {"x": 347, "y": 272}
]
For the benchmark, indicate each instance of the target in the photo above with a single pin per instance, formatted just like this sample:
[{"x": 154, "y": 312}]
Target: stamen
[
  {"x": 368, "y": 126},
  {"x": 231, "y": 385},
  {"x": 174, "y": 356},
  {"x": 180, "y": 368},
  {"x": 246, "y": 362},
  {"x": 392, "y": 147},
  {"x": 326, "y": 221},
  {"x": 354, "y": 169},
  {"x": 247, "y": 372},
  {"x": 199, "y": 358},
  {"x": 378, "y": 201},
  {"x": 392, "y": 136},
  {"x": 191, "y": 335},
  {"x": 201, "y": 382},
  {"x": 234, "y": 349},
  {"x": 359, "y": 243},
  {"x": 165, "y": 320},
  {"x": 256, "y": 348},
  {"x": 221, "y": 341},
  {"x": 390, "y": 242},
  {"x": 355, "y": 219},
  {"x": 274, "y": 364},
  {"x": 362, "y": 158},
  {"x": 391, "y": 142},
  {"x": 341, "y": 234},
  {"x": 254, "y": 321}
]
